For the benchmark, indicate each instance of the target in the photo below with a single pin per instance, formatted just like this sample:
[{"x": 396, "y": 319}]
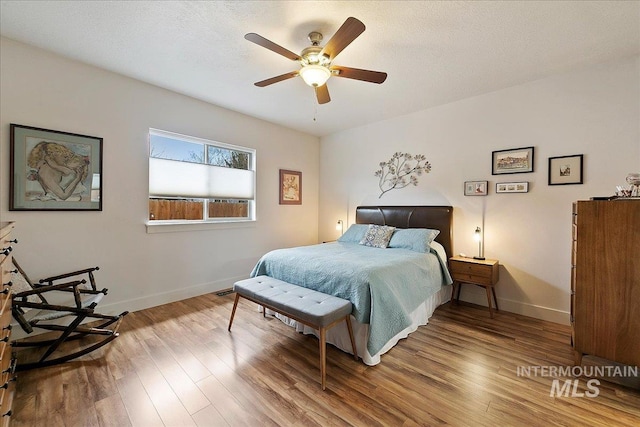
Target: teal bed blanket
[{"x": 384, "y": 285}]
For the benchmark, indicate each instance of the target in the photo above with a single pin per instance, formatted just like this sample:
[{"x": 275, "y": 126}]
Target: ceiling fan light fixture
[{"x": 315, "y": 75}]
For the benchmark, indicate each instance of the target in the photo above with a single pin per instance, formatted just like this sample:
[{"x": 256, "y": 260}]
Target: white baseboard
[
  {"x": 147, "y": 301},
  {"x": 525, "y": 309},
  {"x": 155, "y": 300}
]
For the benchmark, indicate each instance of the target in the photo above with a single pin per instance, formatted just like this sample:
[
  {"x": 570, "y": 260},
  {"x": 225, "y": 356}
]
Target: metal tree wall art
[{"x": 401, "y": 170}]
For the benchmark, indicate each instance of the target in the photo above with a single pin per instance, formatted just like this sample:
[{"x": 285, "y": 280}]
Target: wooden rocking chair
[{"x": 32, "y": 309}]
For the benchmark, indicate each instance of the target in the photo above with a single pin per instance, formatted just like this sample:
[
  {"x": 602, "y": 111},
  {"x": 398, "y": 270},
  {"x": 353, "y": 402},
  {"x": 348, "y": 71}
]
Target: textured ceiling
[{"x": 433, "y": 52}]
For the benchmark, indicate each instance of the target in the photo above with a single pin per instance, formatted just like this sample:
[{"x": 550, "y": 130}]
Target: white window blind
[{"x": 171, "y": 178}]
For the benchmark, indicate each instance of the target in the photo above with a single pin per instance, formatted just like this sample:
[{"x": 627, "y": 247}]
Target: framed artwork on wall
[
  {"x": 290, "y": 187},
  {"x": 515, "y": 160},
  {"x": 512, "y": 187},
  {"x": 476, "y": 188},
  {"x": 54, "y": 170},
  {"x": 565, "y": 170}
]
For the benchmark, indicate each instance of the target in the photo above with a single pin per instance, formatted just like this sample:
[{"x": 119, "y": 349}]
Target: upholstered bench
[{"x": 312, "y": 308}]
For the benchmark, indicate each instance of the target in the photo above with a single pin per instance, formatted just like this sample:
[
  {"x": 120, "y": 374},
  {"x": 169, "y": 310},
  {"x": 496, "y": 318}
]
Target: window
[{"x": 193, "y": 179}]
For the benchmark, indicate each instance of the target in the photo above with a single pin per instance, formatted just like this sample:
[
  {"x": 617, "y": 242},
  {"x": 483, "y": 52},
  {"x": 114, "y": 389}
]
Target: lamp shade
[
  {"x": 477, "y": 235},
  {"x": 315, "y": 75}
]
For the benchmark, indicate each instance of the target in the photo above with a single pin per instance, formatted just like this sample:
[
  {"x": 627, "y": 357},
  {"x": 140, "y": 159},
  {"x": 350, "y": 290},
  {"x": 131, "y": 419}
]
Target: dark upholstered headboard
[{"x": 433, "y": 217}]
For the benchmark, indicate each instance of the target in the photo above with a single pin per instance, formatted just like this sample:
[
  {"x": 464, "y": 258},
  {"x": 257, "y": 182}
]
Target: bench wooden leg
[
  {"x": 323, "y": 355},
  {"x": 353, "y": 341},
  {"x": 233, "y": 312}
]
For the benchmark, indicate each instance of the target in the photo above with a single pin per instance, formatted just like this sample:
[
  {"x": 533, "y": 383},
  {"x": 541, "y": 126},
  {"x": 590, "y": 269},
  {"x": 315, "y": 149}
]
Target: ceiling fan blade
[
  {"x": 358, "y": 74},
  {"x": 349, "y": 31},
  {"x": 322, "y": 94},
  {"x": 276, "y": 79},
  {"x": 259, "y": 40}
]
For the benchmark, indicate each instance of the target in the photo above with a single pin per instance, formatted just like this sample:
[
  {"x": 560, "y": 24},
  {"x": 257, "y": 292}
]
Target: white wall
[
  {"x": 594, "y": 111},
  {"x": 142, "y": 270}
]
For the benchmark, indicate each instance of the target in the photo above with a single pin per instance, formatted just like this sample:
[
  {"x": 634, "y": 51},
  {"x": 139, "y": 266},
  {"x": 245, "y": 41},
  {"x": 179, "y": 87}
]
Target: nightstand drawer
[
  {"x": 472, "y": 271},
  {"x": 471, "y": 278},
  {"x": 471, "y": 268}
]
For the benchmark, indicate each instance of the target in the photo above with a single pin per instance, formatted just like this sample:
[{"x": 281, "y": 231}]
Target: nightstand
[{"x": 479, "y": 272}]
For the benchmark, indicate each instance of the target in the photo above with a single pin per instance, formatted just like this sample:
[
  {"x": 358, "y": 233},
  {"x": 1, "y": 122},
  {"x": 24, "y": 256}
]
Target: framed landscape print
[
  {"x": 565, "y": 170},
  {"x": 515, "y": 160},
  {"x": 290, "y": 187},
  {"x": 54, "y": 170},
  {"x": 476, "y": 188}
]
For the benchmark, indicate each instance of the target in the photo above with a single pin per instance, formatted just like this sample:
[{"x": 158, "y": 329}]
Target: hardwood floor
[{"x": 176, "y": 365}]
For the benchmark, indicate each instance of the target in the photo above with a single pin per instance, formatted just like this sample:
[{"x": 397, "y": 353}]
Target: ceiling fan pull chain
[{"x": 315, "y": 109}]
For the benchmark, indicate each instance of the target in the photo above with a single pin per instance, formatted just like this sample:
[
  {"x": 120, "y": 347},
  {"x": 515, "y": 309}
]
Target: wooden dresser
[
  {"x": 605, "y": 280},
  {"x": 7, "y": 360}
]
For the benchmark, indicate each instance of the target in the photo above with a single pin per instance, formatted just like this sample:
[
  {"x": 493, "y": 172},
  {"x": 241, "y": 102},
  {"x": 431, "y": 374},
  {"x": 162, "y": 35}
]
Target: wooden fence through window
[{"x": 167, "y": 209}]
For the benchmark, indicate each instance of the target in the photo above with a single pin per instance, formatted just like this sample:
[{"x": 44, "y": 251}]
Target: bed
[{"x": 393, "y": 290}]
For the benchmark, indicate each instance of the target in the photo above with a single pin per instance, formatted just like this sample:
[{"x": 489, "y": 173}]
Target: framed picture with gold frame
[{"x": 290, "y": 187}]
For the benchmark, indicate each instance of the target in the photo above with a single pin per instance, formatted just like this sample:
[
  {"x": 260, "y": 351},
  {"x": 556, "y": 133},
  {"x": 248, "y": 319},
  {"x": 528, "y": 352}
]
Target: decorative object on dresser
[
  {"x": 290, "y": 187},
  {"x": 512, "y": 187},
  {"x": 515, "y": 160},
  {"x": 7, "y": 357},
  {"x": 565, "y": 170},
  {"x": 605, "y": 280},
  {"x": 484, "y": 273},
  {"x": 476, "y": 188},
  {"x": 633, "y": 190},
  {"x": 53, "y": 170},
  {"x": 36, "y": 306},
  {"x": 399, "y": 172}
]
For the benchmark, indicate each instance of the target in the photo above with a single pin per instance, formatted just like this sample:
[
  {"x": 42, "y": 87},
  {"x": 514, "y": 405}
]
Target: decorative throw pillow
[
  {"x": 414, "y": 239},
  {"x": 377, "y": 236},
  {"x": 354, "y": 233}
]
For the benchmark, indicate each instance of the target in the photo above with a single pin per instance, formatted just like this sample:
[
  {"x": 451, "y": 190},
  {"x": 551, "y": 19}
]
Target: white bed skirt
[{"x": 339, "y": 335}]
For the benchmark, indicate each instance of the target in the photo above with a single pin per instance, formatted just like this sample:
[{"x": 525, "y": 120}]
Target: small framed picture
[
  {"x": 475, "y": 188},
  {"x": 290, "y": 187},
  {"x": 515, "y": 160},
  {"x": 565, "y": 170},
  {"x": 52, "y": 170},
  {"x": 512, "y": 187}
]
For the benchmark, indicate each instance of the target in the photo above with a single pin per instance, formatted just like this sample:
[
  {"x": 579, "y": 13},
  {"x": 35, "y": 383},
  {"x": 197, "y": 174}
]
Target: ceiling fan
[{"x": 316, "y": 61}]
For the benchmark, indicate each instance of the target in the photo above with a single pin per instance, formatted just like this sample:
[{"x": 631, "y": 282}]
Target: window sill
[{"x": 177, "y": 226}]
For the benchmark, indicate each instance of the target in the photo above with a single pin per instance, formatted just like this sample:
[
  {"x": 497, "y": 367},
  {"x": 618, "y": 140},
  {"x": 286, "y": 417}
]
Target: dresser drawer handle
[
  {"x": 8, "y": 328},
  {"x": 6, "y": 385},
  {"x": 6, "y": 251},
  {"x": 12, "y": 367},
  {"x": 8, "y": 414},
  {"x": 13, "y": 241},
  {"x": 5, "y": 291},
  {"x": 8, "y": 284}
]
